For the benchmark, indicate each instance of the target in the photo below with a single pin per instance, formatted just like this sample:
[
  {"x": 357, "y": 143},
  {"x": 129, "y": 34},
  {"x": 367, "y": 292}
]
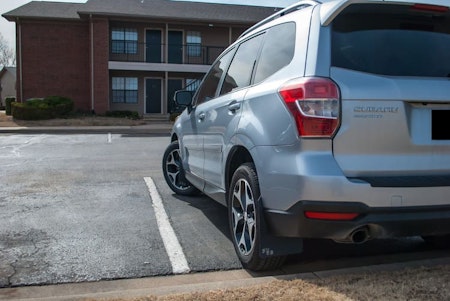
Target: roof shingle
[
  {"x": 47, "y": 10},
  {"x": 152, "y": 9}
]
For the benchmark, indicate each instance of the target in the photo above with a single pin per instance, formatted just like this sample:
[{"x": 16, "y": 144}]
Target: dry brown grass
[
  {"x": 412, "y": 284},
  {"x": 87, "y": 120}
]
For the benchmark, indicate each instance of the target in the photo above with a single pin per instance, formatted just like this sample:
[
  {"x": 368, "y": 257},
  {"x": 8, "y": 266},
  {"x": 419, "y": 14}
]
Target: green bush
[
  {"x": 8, "y": 101},
  {"x": 123, "y": 114},
  {"x": 174, "y": 116},
  {"x": 39, "y": 109}
]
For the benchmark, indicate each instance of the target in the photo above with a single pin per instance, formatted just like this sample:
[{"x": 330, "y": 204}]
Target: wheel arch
[
  {"x": 173, "y": 137},
  {"x": 237, "y": 156}
]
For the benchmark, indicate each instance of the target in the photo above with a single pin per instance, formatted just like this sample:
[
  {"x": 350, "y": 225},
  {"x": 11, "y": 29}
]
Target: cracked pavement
[
  {"x": 76, "y": 208},
  {"x": 18, "y": 251}
]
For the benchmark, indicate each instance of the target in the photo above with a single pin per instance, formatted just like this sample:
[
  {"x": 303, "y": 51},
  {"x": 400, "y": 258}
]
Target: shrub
[
  {"x": 61, "y": 105},
  {"x": 39, "y": 109},
  {"x": 123, "y": 114},
  {"x": 8, "y": 101},
  {"x": 174, "y": 116}
]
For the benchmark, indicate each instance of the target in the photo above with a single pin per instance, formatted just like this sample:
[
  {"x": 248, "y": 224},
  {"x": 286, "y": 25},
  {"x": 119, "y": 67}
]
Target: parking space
[
  {"x": 77, "y": 208},
  {"x": 202, "y": 229}
]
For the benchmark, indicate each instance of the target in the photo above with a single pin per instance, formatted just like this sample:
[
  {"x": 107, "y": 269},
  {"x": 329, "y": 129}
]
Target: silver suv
[{"x": 329, "y": 119}]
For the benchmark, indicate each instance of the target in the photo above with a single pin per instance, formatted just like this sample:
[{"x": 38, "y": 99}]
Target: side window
[
  {"x": 277, "y": 52},
  {"x": 209, "y": 85},
  {"x": 241, "y": 68}
]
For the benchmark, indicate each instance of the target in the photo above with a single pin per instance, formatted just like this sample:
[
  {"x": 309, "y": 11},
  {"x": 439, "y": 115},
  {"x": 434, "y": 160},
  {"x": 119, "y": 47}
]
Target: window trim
[
  {"x": 124, "y": 90},
  {"x": 129, "y": 46},
  {"x": 194, "y": 49}
]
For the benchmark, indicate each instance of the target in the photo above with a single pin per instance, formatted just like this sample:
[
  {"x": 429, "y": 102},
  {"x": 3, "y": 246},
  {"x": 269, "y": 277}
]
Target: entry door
[
  {"x": 153, "y": 91},
  {"x": 173, "y": 86},
  {"x": 153, "y": 46},
  {"x": 175, "y": 47}
]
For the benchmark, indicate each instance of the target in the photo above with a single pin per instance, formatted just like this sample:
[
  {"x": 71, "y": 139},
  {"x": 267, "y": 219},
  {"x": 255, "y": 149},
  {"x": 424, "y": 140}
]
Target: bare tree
[{"x": 7, "y": 55}]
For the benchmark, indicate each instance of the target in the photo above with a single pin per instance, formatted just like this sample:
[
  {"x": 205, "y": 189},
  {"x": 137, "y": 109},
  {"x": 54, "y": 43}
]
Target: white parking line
[{"x": 171, "y": 243}]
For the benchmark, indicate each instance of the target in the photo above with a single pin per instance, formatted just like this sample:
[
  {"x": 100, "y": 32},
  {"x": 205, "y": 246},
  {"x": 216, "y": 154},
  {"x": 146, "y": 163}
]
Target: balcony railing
[{"x": 163, "y": 53}]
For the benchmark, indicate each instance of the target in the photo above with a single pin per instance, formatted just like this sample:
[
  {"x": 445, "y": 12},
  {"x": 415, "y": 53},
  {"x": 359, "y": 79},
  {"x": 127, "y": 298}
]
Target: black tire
[
  {"x": 174, "y": 173},
  {"x": 440, "y": 241},
  {"x": 244, "y": 220}
]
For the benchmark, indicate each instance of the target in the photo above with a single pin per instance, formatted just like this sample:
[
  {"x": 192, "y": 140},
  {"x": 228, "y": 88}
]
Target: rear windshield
[{"x": 397, "y": 40}]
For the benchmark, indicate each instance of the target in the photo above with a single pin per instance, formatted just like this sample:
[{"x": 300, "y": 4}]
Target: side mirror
[{"x": 183, "y": 98}]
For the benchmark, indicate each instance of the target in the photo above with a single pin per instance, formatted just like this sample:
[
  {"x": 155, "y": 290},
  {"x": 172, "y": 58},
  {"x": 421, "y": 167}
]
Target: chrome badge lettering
[{"x": 373, "y": 112}]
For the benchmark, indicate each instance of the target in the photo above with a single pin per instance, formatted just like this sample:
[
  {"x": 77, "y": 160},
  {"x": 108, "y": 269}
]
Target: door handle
[
  {"x": 234, "y": 106},
  {"x": 201, "y": 116}
]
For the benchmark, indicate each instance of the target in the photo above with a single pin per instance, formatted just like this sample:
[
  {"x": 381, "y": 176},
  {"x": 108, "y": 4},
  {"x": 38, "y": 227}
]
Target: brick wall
[
  {"x": 100, "y": 28},
  {"x": 56, "y": 60}
]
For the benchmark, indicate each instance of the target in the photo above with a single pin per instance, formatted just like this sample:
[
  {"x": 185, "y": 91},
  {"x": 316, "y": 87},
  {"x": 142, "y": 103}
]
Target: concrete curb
[
  {"x": 188, "y": 283},
  {"x": 161, "y": 129}
]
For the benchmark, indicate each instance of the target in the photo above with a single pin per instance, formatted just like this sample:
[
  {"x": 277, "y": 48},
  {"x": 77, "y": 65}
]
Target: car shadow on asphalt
[
  {"x": 213, "y": 211},
  {"x": 323, "y": 254}
]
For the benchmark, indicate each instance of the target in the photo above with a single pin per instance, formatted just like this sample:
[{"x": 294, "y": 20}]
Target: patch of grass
[{"x": 73, "y": 119}]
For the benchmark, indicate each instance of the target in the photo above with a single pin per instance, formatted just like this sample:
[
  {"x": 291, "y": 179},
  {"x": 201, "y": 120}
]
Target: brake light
[
  {"x": 335, "y": 216},
  {"x": 315, "y": 105},
  {"x": 429, "y": 7}
]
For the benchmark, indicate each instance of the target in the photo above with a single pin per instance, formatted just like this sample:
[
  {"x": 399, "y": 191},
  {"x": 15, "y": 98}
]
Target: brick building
[{"x": 122, "y": 54}]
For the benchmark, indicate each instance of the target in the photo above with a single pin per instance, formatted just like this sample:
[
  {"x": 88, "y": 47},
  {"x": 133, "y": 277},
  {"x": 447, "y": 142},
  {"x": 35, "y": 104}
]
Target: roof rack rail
[{"x": 285, "y": 11}]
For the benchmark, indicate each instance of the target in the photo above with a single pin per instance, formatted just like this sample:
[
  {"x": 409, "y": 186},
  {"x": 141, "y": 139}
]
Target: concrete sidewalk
[
  {"x": 157, "y": 128},
  {"x": 188, "y": 283}
]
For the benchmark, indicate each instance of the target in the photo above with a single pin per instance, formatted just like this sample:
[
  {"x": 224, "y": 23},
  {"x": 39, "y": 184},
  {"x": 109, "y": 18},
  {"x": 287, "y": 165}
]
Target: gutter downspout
[
  {"x": 166, "y": 74},
  {"x": 19, "y": 44},
  {"x": 92, "y": 65}
]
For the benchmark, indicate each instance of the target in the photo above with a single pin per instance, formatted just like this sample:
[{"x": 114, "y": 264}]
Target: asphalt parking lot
[
  {"x": 76, "y": 208},
  {"x": 82, "y": 208}
]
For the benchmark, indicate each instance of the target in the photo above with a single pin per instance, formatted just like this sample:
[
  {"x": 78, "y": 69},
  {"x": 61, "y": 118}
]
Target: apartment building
[{"x": 122, "y": 54}]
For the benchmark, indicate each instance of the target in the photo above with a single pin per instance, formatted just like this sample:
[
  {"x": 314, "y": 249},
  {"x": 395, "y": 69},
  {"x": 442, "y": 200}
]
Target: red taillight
[
  {"x": 315, "y": 105},
  {"x": 431, "y": 8},
  {"x": 335, "y": 216}
]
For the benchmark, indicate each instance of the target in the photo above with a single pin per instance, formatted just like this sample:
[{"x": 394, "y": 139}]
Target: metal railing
[
  {"x": 193, "y": 86},
  {"x": 163, "y": 53}
]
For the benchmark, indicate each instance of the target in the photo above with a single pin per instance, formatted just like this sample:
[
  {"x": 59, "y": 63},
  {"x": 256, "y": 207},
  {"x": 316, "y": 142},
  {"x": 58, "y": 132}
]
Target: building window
[
  {"x": 194, "y": 43},
  {"x": 124, "y": 90},
  {"x": 124, "y": 40},
  {"x": 192, "y": 84}
]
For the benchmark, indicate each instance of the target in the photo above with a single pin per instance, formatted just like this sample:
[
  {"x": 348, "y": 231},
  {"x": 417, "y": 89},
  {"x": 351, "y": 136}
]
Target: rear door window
[
  {"x": 208, "y": 88},
  {"x": 396, "y": 40},
  {"x": 241, "y": 68}
]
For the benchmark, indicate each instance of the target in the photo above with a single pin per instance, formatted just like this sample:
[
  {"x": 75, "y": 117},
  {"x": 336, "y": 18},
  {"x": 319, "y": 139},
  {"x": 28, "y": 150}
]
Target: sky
[{"x": 7, "y": 29}]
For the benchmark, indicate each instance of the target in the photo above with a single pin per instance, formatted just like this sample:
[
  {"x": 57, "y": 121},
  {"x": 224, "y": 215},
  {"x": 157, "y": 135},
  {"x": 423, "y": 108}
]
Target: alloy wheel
[
  {"x": 243, "y": 217},
  {"x": 174, "y": 170}
]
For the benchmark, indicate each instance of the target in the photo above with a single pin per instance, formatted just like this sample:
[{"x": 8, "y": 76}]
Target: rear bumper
[{"x": 379, "y": 222}]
